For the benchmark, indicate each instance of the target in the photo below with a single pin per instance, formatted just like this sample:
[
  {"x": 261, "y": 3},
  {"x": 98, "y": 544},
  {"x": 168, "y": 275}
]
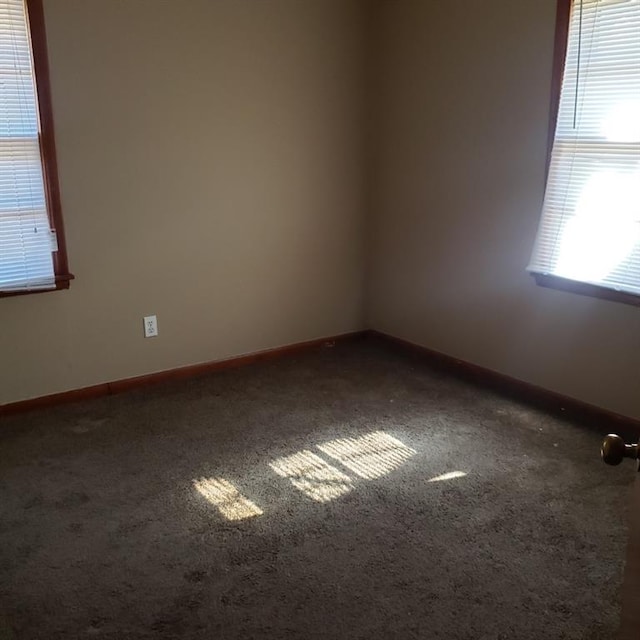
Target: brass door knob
[{"x": 614, "y": 450}]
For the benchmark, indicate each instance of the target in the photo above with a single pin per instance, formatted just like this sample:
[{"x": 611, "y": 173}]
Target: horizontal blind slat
[
  {"x": 590, "y": 225},
  {"x": 25, "y": 239}
]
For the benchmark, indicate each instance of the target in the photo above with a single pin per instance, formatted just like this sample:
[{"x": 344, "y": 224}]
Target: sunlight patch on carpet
[
  {"x": 230, "y": 502},
  {"x": 313, "y": 476},
  {"x": 370, "y": 456},
  {"x": 452, "y": 475}
]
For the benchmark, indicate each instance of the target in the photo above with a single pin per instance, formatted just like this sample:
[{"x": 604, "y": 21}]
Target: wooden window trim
[
  {"x": 563, "y": 19},
  {"x": 63, "y": 276},
  {"x": 563, "y": 22},
  {"x": 585, "y": 289}
]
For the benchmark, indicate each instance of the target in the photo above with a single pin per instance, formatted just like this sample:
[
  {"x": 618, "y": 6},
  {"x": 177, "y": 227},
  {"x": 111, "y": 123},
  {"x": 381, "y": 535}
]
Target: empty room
[{"x": 319, "y": 319}]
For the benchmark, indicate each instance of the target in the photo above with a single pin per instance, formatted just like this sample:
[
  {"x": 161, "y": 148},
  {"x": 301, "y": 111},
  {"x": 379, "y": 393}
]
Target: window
[
  {"x": 589, "y": 233},
  {"x": 32, "y": 249}
]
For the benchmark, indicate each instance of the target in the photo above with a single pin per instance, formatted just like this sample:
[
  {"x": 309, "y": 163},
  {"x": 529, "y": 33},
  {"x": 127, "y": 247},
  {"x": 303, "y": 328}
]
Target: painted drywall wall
[
  {"x": 211, "y": 172},
  {"x": 461, "y": 95}
]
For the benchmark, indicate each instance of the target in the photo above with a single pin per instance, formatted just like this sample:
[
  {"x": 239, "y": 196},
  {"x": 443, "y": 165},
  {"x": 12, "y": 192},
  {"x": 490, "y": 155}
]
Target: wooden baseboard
[
  {"x": 180, "y": 373},
  {"x": 603, "y": 420},
  {"x": 557, "y": 404}
]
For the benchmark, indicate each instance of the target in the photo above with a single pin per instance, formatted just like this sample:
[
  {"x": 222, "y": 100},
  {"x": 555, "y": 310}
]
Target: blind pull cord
[{"x": 575, "y": 104}]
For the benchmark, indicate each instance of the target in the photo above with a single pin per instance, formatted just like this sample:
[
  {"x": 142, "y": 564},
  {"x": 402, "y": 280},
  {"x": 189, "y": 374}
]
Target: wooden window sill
[{"x": 585, "y": 289}]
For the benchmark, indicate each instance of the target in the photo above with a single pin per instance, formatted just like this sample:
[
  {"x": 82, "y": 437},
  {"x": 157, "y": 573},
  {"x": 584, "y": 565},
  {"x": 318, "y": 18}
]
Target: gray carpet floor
[{"x": 349, "y": 492}]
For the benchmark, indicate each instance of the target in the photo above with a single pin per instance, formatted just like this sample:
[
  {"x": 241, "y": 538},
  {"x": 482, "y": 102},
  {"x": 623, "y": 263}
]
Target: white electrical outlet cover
[{"x": 150, "y": 326}]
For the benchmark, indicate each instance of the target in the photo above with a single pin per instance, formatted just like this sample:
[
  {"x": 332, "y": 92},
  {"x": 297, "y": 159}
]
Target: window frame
[
  {"x": 35, "y": 19},
  {"x": 563, "y": 22}
]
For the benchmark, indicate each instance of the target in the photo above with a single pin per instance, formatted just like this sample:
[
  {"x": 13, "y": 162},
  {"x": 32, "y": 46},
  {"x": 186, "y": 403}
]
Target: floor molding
[
  {"x": 601, "y": 419},
  {"x": 179, "y": 373}
]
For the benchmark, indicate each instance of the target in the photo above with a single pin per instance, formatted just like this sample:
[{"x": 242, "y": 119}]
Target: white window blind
[
  {"x": 26, "y": 242},
  {"x": 590, "y": 226}
]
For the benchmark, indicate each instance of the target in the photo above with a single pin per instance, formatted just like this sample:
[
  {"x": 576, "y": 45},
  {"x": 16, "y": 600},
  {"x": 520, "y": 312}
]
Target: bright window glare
[
  {"x": 590, "y": 226},
  {"x": 313, "y": 476},
  {"x": 230, "y": 502},
  {"x": 605, "y": 228},
  {"x": 622, "y": 123},
  {"x": 371, "y": 456},
  {"x": 452, "y": 475}
]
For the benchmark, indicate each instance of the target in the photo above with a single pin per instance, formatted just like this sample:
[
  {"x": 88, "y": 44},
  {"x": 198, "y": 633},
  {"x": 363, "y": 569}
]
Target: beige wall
[
  {"x": 211, "y": 170},
  {"x": 212, "y": 164},
  {"x": 461, "y": 98}
]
